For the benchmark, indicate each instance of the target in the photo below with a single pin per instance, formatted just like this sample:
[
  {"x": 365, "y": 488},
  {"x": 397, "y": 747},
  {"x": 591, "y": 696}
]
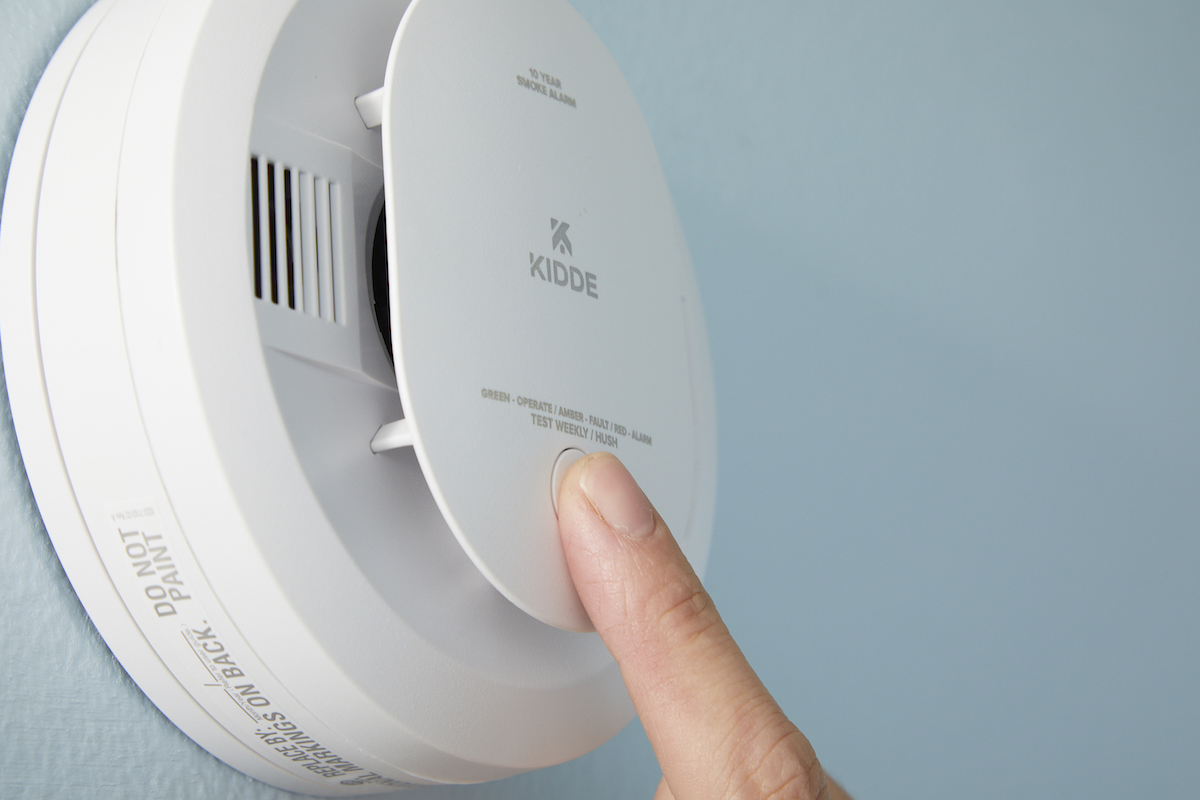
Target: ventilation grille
[{"x": 296, "y": 247}]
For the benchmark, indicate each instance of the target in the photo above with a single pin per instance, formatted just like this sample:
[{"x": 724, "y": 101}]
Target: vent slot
[{"x": 295, "y": 238}]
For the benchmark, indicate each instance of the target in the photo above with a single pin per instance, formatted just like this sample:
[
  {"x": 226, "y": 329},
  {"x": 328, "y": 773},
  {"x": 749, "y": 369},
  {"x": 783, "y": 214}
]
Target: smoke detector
[{"x": 305, "y": 308}]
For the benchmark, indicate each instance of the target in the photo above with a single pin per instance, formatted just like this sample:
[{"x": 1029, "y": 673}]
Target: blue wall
[{"x": 951, "y": 260}]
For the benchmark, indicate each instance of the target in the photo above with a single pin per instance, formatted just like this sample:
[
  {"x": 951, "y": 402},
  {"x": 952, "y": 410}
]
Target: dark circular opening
[{"x": 379, "y": 282}]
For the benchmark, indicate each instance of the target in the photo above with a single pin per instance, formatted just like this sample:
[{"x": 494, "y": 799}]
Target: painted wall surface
[{"x": 951, "y": 260}]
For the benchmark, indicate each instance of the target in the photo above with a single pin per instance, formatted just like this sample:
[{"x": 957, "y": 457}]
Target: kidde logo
[
  {"x": 556, "y": 272},
  {"x": 559, "y": 240}
]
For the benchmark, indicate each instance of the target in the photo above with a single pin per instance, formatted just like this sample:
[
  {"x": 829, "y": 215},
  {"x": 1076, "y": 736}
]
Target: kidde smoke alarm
[{"x": 306, "y": 309}]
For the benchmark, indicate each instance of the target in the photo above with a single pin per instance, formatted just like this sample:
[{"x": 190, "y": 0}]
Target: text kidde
[{"x": 560, "y": 274}]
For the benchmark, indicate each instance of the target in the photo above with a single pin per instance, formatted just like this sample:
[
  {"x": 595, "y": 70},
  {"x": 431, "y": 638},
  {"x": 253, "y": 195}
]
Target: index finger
[{"x": 716, "y": 730}]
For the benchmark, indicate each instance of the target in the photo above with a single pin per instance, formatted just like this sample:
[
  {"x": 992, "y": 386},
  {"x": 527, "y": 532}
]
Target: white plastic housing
[{"x": 196, "y": 376}]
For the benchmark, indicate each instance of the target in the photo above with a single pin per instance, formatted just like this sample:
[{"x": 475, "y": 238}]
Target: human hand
[{"x": 716, "y": 730}]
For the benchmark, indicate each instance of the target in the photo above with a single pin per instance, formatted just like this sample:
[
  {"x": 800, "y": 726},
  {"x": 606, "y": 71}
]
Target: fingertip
[
  {"x": 623, "y": 559},
  {"x": 598, "y": 492},
  {"x": 616, "y": 496},
  {"x": 572, "y": 500}
]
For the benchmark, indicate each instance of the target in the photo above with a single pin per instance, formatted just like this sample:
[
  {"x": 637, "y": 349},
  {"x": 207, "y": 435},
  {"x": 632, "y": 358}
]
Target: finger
[
  {"x": 716, "y": 730},
  {"x": 663, "y": 792}
]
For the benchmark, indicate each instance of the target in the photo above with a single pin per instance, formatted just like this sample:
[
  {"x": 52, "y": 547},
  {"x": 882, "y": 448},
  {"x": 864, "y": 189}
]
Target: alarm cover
[{"x": 538, "y": 281}]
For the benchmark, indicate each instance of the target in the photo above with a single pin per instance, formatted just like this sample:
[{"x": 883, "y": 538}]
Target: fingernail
[{"x": 615, "y": 495}]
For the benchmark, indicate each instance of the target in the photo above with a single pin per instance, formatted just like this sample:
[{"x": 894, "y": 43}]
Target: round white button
[{"x": 561, "y": 464}]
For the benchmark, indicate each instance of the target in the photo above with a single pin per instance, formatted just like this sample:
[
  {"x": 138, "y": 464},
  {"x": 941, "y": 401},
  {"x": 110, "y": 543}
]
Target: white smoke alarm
[{"x": 305, "y": 308}]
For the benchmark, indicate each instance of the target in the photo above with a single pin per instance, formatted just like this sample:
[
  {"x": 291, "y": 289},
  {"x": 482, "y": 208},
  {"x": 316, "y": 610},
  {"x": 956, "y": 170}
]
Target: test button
[{"x": 561, "y": 464}]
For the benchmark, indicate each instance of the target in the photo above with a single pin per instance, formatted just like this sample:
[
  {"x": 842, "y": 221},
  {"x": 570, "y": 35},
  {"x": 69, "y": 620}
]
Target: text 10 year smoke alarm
[{"x": 296, "y": 360}]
